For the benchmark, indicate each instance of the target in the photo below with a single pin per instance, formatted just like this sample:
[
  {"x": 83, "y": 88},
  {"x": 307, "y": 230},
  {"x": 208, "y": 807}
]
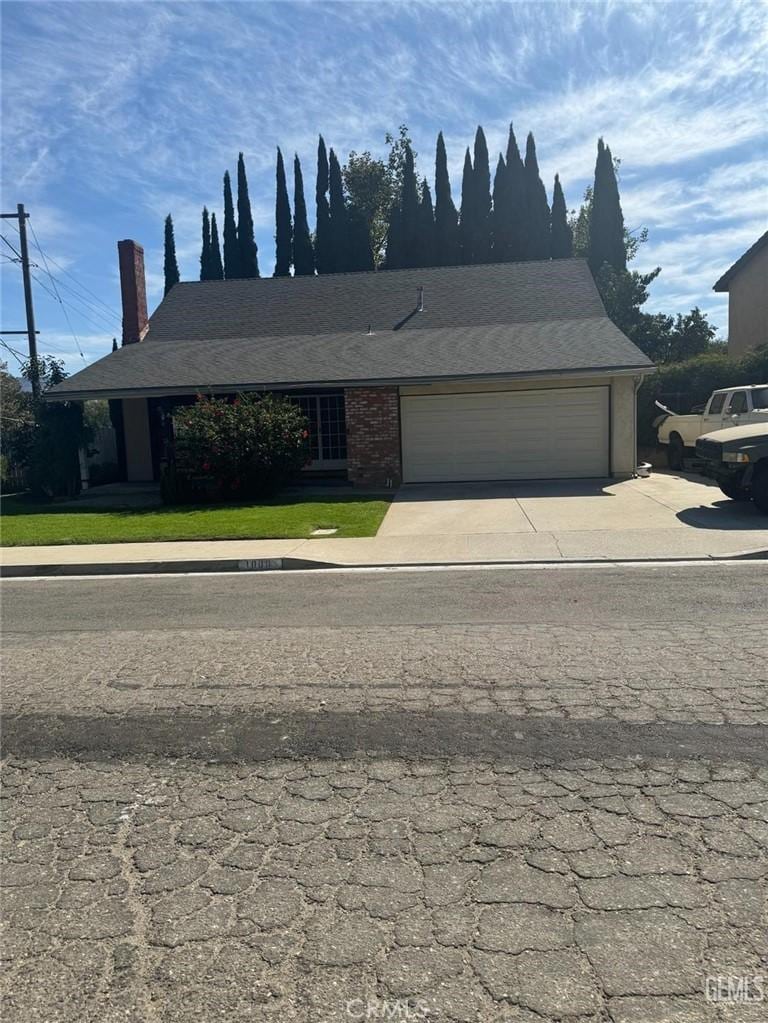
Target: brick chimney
[{"x": 133, "y": 290}]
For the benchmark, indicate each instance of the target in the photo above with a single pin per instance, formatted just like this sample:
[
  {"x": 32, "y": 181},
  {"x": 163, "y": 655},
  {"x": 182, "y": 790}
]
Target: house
[
  {"x": 747, "y": 285},
  {"x": 503, "y": 371}
]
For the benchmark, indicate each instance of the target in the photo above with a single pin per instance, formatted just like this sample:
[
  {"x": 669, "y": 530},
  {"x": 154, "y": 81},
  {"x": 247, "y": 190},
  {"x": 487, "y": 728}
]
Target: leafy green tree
[
  {"x": 303, "y": 256},
  {"x": 537, "y": 219},
  {"x": 283, "y": 231},
  {"x": 373, "y": 187},
  {"x": 52, "y": 458},
  {"x": 217, "y": 268},
  {"x": 231, "y": 247},
  {"x": 323, "y": 242},
  {"x": 17, "y": 424},
  {"x": 562, "y": 235},
  {"x": 691, "y": 335},
  {"x": 447, "y": 246},
  {"x": 249, "y": 260},
  {"x": 170, "y": 265},
  {"x": 606, "y": 222}
]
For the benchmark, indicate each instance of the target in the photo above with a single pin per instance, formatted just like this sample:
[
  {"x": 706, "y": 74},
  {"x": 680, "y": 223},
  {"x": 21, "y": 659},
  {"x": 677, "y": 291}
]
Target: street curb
[{"x": 249, "y": 565}]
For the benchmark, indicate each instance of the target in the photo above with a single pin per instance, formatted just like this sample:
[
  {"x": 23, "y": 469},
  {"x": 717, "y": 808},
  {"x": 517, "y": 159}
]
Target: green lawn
[{"x": 25, "y": 523}]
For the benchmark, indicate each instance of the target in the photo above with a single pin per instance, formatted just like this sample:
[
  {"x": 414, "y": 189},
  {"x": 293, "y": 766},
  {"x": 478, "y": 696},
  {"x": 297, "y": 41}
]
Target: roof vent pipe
[{"x": 420, "y": 299}]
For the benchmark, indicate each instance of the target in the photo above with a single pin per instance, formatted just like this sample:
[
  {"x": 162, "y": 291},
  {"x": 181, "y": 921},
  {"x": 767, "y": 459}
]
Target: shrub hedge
[{"x": 235, "y": 450}]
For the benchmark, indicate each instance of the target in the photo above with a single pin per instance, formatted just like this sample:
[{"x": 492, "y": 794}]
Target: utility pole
[{"x": 34, "y": 369}]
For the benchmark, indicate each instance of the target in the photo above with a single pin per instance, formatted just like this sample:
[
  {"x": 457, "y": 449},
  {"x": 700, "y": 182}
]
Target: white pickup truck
[{"x": 730, "y": 406}]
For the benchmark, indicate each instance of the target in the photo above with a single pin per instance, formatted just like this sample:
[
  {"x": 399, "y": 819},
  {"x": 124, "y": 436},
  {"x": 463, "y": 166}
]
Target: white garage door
[{"x": 546, "y": 434}]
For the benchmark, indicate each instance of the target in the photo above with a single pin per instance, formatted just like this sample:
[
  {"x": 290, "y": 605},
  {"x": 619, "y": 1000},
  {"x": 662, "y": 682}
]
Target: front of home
[{"x": 444, "y": 374}]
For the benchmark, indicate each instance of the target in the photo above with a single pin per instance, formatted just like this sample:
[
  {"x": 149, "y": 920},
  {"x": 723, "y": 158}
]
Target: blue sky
[{"x": 115, "y": 114}]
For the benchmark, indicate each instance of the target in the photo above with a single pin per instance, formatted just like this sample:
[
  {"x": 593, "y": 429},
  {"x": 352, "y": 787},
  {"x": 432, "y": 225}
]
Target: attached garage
[{"x": 553, "y": 433}]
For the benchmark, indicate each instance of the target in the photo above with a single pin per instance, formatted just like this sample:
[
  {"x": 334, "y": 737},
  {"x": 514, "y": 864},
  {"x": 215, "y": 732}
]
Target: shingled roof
[{"x": 506, "y": 319}]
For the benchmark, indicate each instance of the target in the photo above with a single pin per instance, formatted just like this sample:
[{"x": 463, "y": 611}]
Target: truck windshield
[{"x": 760, "y": 397}]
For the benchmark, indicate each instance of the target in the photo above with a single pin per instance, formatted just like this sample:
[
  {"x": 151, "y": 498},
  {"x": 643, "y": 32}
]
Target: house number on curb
[{"x": 259, "y": 564}]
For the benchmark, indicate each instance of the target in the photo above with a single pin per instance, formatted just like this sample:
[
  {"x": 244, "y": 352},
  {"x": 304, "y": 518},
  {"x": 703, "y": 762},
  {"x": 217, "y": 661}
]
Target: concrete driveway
[
  {"x": 664, "y": 501},
  {"x": 667, "y": 515}
]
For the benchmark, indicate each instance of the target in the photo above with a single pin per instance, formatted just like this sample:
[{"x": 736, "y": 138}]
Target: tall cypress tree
[
  {"x": 339, "y": 233},
  {"x": 402, "y": 237},
  {"x": 114, "y": 344},
  {"x": 447, "y": 248},
  {"x": 205, "y": 253},
  {"x": 481, "y": 179},
  {"x": 323, "y": 253},
  {"x": 249, "y": 259},
  {"x": 516, "y": 197},
  {"x": 606, "y": 227},
  {"x": 466, "y": 218},
  {"x": 562, "y": 235},
  {"x": 170, "y": 266},
  {"x": 359, "y": 251},
  {"x": 426, "y": 228},
  {"x": 500, "y": 219},
  {"x": 217, "y": 268},
  {"x": 537, "y": 207},
  {"x": 231, "y": 248},
  {"x": 303, "y": 256},
  {"x": 282, "y": 221}
]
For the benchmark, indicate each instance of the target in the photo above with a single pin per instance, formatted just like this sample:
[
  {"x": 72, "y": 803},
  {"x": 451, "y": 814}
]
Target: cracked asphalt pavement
[{"x": 523, "y": 796}]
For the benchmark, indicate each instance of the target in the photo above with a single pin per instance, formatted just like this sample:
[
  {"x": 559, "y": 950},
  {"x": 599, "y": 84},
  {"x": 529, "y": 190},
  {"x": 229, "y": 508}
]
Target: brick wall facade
[{"x": 373, "y": 436}]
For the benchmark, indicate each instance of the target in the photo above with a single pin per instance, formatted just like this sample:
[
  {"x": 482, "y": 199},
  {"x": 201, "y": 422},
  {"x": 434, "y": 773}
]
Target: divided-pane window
[{"x": 327, "y": 425}]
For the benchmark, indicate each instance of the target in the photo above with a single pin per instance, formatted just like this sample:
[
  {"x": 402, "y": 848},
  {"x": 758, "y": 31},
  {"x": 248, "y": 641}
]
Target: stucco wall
[
  {"x": 748, "y": 305},
  {"x": 138, "y": 449},
  {"x": 623, "y": 426}
]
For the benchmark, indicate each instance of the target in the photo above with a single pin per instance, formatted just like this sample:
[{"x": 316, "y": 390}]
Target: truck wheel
[
  {"x": 736, "y": 493},
  {"x": 760, "y": 490},
  {"x": 675, "y": 452}
]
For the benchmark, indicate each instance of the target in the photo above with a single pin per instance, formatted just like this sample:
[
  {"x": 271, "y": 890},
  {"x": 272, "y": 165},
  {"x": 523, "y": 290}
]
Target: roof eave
[{"x": 639, "y": 369}]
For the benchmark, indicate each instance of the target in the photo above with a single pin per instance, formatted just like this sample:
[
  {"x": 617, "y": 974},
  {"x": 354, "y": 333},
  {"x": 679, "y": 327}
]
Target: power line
[
  {"x": 83, "y": 288},
  {"x": 58, "y": 296}
]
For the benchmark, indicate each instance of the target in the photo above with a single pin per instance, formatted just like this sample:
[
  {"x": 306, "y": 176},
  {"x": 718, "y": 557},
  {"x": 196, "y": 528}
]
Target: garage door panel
[{"x": 544, "y": 434}]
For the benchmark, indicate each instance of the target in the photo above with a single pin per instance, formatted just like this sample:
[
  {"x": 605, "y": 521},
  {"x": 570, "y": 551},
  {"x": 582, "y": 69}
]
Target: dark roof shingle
[{"x": 502, "y": 319}]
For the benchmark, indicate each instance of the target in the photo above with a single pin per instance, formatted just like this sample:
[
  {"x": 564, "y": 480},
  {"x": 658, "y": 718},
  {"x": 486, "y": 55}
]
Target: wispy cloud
[{"x": 115, "y": 114}]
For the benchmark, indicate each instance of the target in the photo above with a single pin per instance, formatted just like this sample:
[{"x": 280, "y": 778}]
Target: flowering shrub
[{"x": 242, "y": 449}]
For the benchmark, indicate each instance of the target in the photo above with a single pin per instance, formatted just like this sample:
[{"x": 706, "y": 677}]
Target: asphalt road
[{"x": 473, "y": 795}]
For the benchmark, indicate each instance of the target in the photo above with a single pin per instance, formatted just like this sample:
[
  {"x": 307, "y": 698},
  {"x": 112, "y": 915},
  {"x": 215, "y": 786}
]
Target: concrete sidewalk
[{"x": 254, "y": 555}]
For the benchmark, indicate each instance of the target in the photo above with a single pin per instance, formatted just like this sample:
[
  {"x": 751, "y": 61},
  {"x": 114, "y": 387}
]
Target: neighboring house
[
  {"x": 747, "y": 285},
  {"x": 503, "y": 371}
]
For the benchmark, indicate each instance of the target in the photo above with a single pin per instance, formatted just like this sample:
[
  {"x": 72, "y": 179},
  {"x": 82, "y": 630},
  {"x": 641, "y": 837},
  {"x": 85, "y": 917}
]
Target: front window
[
  {"x": 760, "y": 397},
  {"x": 327, "y": 428}
]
